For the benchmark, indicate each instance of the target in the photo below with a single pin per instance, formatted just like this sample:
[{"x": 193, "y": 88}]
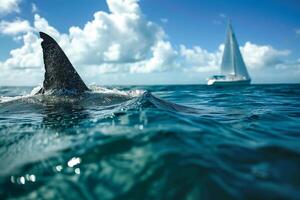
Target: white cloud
[
  {"x": 9, "y": 6},
  {"x": 164, "y": 20},
  {"x": 113, "y": 53},
  {"x": 41, "y": 24},
  {"x": 163, "y": 59},
  {"x": 121, "y": 41},
  {"x": 255, "y": 56},
  {"x": 259, "y": 56},
  {"x": 15, "y": 27},
  {"x": 222, "y": 15},
  {"x": 221, "y": 18},
  {"x": 34, "y": 8},
  {"x": 28, "y": 56},
  {"x": 103, "y": 45},
  {"x": 199, "y": 60}
]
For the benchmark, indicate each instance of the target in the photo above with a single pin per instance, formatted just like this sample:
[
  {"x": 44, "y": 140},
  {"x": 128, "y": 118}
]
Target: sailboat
[{"x": 233, "y": 68}]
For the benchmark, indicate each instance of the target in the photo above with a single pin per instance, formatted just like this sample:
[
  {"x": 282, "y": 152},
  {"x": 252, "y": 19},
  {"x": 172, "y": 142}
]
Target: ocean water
[{"x": 151, "y": 142}]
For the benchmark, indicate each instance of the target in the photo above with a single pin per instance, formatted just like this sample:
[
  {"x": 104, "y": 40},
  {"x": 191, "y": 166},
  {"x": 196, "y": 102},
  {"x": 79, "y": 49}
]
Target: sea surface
[{"x": 151, "y": 142}]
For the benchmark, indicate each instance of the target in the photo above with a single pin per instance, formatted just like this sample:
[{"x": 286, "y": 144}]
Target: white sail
[{"x": 232, "y": 61}]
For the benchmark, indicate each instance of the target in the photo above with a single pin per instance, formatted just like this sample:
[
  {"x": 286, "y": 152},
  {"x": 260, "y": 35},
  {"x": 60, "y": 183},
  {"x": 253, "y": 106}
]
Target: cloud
[
  {"x": 15, "y": 27},
  {"x": 9, "y": 6},
  {"x": 222, "y": 15},
  {"x": 199, "y": 60},
  {"x": 163, "y": 59},
  {"x": 28, "y": 56},
  {"x": 220, "y": 19},
  {"x": 255, "y": 56},
  {"x": 259, "y": 56},
  {"x": 260, "y": 59},
  {"x": 164, "y": 20},
  {"x": 121, "y": 41},
  {"x": 34, "y": 8}
]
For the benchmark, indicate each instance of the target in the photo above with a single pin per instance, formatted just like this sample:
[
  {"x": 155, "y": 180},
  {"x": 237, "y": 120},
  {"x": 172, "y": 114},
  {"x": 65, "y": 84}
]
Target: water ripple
[{"x": 152, "y": 142}]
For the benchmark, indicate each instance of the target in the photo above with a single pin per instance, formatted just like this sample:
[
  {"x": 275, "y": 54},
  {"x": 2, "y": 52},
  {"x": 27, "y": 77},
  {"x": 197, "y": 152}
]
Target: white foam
[
  {"x": 36, "y": 89},
  {"x": 94, "y": 89},
  {"x": 103, "y": 90},
  {"x": 4, "y": 99}
]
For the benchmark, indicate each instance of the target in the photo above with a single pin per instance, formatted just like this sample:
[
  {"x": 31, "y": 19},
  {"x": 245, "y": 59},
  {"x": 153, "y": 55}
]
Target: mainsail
[{"x": 232, "y": 61}]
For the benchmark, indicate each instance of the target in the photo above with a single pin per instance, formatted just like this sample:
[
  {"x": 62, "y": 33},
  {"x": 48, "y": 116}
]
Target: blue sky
[{"x": 183, "y": 43}]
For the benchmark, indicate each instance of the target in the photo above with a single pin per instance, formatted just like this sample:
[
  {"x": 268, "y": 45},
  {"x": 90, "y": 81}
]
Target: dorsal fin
[{"x": 59, "y": 72}]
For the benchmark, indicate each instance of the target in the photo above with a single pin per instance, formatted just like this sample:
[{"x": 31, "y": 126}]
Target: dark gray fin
[{"x": 60, "y": 74}]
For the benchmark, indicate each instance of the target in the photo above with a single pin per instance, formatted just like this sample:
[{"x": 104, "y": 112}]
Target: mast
[{"x": 230, "y": 30}]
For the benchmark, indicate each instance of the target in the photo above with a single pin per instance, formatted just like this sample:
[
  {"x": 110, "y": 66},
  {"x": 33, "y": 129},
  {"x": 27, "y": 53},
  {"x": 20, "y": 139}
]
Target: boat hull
[{"x": 228, "y": 82}]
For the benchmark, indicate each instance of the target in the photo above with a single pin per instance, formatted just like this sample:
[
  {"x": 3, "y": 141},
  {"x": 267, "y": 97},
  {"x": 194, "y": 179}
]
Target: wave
[
  {"x": 48, "y": 113},
  {"x": 99, "y": 96},
  {"x": 132, "y": 144},
  {"x": 63, "y": 95}
]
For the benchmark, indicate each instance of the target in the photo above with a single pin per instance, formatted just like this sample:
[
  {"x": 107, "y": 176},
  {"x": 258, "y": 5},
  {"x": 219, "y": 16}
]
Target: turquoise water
[{"x": 151, "y": 142}]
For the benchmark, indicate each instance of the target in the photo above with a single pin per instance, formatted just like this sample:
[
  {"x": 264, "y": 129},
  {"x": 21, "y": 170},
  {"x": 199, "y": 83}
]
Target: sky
[{"x": 142, "y": 42}]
